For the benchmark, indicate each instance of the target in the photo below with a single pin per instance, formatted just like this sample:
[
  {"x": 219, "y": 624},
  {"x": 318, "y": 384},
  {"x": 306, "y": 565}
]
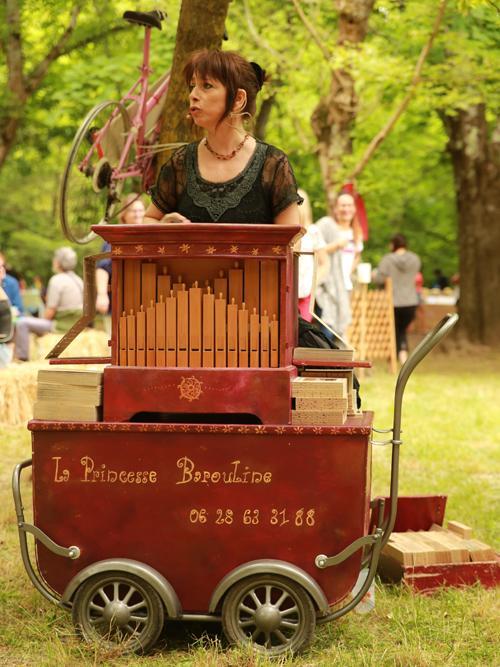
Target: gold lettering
[
  {"x": 187, "y": 467},
  {"x": 233, "y": 475},
  {"x": 64, "y": 476},
  {"x": 152, "y": 477},
  {"x": 123, "y": 476},
  {"x": 88, "y": 467}
]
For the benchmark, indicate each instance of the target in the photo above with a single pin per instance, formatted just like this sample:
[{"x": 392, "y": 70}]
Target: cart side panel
[{"x": 194, "y": 505}]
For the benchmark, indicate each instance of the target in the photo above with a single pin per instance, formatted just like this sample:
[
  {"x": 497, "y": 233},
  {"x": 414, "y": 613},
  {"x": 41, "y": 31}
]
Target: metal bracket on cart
[
  {"x": 72, "y": 552},
  {"x": 382, "y": 443}
]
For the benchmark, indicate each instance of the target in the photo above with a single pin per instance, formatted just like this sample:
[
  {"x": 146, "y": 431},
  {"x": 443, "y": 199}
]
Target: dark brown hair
[
  {"x": 398, "y": 241},
  {"x": 232, "y": 70}
]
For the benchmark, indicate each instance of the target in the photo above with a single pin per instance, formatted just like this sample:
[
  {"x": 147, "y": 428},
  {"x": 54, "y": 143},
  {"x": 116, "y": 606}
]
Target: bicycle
[{"x": 109, "y": 148}]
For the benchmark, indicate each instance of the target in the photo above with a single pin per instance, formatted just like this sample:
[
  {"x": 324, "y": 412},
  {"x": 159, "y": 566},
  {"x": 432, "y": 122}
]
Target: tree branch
[
  {"x": 260, "y": 41},
  {"x": 309, "y": 26},
  {"x": 384, "y": 132},
  {"x": 39, "y": 71}
]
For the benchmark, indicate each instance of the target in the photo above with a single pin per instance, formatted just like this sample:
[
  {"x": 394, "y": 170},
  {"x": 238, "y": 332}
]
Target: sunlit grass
[{"x": 451, "y": 446}]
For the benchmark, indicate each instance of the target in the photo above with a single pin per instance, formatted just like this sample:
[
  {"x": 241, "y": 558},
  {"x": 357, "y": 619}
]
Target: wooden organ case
[{"x": 204, "y": 322}]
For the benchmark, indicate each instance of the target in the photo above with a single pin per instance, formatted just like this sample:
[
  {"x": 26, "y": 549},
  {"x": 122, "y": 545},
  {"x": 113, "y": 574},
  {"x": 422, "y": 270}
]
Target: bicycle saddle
[{"x": 149, "y": 19}]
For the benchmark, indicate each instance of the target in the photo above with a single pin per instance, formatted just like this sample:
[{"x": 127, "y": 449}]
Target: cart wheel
[
  {"x": 119, "y": 608},
  {"x": 89, "y": 194},
  {"x": 273, "y": 613}
]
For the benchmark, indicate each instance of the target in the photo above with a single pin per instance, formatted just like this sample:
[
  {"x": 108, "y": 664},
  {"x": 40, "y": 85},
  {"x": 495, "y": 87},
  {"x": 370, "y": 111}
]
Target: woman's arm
[
  {"x": 102, "y": 298},
  {"x": 289, "y": 216},
  {"x": 153, "y": 214},
  {"x": 322, "y": 264}
]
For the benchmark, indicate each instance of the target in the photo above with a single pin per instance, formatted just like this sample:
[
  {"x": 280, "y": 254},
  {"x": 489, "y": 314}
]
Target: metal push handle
[
  {"x": 23, "y": 528},
  {"x": 420, "y": 352}
]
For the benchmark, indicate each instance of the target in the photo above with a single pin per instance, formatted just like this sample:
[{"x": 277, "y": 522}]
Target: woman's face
[
  {"x": 134, "y": 213},
  {"x": 207, "y": 101}
]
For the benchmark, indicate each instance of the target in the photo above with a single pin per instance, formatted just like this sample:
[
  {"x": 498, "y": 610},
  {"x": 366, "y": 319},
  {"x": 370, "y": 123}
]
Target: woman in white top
[
  {"x": 312, "y": 242},
  {"x": 343, "y": 237}
]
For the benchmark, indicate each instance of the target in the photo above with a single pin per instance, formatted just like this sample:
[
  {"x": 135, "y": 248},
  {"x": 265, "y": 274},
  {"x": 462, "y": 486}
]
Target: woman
[
  {"x": 312, "y": 242},
  {"x": 64, "y": 304},
  {"x": 343, "y": 238},
  {"x": 401, "y": 265},
  {"x": 228, "y": 176}
]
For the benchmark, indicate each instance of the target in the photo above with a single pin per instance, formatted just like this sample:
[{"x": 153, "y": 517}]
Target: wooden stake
[
  {"x": 160, "y": 333},
  {"x": 254, "y": 339},
  {"x": 232, "y": 334},
  {"x": 148, "y": 282},
  {"x": 243, "y": 337},
  {"x": 151, "y": 334},
  {"x": 235, "y": 287},
  {"x": 171, "y": 329},
  {"x": 182, "y": 328},
  {"x": 208, "y": 329},
  {"x": 131, "y": 339},
  {"x": 195, "y": 325},
  {"x": 274, "y": 331},
  {"x": 252, "y": 284},
  {"x": 264, "y": 340},
  {"x": 123, "y": 340},
  {"x": 141, "y": 337},
  {"x": 220, "y": 285},
  {"x": 220, "y": 332},
  {"x": 163, "y": 284}
]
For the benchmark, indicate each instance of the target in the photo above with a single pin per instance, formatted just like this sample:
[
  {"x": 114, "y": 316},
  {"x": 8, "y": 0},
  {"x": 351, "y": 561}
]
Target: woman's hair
[
  {"x": 232, "y": 70},
  {"x": 66, "y": 258},
  {"x": 305, "y": 211},
  {"x": 124, "y": 205},
  {"x": 398, "y": 241}
]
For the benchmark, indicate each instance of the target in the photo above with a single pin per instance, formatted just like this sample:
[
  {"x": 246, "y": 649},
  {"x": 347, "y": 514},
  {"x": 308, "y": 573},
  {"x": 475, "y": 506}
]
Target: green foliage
[{"x": 407, "y": 185}]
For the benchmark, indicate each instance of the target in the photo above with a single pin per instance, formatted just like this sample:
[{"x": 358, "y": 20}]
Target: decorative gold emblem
[
  {"x": 161, "y": 250},
  {"x": 190, "y": 388},
  {"x": 280, "y": 430},
  {"x": 139, "y": 248},
  {"x": 117, "y": 251},
  {"x": 210, "y": 250},
  {"x": 234, "y": 250},
  {"x": 278, "y": 250},
  {"x": 255, "y": 251},
  {"x": 185, "y": 247}
]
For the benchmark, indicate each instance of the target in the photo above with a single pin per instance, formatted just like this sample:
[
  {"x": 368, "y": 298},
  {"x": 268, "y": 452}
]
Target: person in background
[
  {"x": 402, "y": 266},
  {"x": 132, "y": 213},
  {"x": 6, "y": 326},
  {"x": 440, "y": 280},
  {"x": 11, "y": 288},
  {"x": 342, "y": 234},
  {"x": 64, "y": 304},
  {"x": 311, "y": 242}
]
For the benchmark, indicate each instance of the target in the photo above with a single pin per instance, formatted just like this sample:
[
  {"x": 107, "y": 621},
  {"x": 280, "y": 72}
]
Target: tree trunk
[
  {"x": 333, "y": 118},
  {"x": 476, "y": 167},
  {"x": 201, "y": 26}
]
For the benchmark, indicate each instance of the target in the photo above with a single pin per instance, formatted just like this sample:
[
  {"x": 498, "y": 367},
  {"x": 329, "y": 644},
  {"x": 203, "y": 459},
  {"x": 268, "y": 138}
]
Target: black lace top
[{"x": 264, "y": 188}]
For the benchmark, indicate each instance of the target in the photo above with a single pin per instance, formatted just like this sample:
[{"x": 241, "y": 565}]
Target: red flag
[{"x": 349, "y": 188}]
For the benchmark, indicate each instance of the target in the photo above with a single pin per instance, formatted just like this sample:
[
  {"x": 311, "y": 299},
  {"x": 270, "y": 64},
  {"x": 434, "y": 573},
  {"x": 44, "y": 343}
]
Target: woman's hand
[{"x": 174, "y": 217}]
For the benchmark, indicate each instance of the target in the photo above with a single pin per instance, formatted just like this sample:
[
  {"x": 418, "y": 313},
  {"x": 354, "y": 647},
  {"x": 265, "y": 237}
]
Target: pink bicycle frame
[{"x": 138, "y": 130}]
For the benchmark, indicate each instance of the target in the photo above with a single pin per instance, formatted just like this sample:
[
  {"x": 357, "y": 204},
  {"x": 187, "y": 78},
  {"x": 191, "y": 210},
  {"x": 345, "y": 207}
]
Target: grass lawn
[{"x": 451, "y": 446}]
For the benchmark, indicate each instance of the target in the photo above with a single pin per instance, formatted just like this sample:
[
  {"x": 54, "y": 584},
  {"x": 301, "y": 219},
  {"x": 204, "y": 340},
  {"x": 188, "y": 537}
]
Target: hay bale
[
  {"x": 18, "y": 381},
  {"x": 18, "y": 392},
  {"x": 89, "y": 343}
]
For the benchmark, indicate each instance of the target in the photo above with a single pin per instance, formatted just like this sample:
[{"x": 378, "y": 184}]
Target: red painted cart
[{"x": 263, "y": 526}]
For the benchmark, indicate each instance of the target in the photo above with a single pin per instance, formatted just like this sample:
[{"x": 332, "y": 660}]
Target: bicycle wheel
[{"x": 89, "y": 193}]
